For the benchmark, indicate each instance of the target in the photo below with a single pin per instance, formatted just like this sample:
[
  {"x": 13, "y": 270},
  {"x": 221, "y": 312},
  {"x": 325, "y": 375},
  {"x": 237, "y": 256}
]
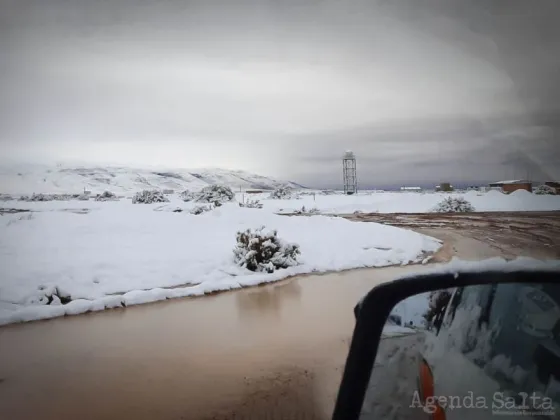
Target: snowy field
[
  {"x": 108, "y": 254},
  {"x": 397, "y": 202},
  {"x": 381, "y": 202}
]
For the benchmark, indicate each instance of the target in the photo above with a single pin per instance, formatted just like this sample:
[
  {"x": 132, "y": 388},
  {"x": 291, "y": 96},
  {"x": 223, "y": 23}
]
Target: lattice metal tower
[{"x": 349, "y": 173}]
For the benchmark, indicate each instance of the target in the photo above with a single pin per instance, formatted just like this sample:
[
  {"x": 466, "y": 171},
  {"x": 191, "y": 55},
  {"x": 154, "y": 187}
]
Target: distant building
[
  {"x": 444, "y": 186},
  {"x": 411, "y": 189},
  {"x": 513, "y": 185},
  {"x": 553, "y": 184},
  {"x": 254, "y": 191}
]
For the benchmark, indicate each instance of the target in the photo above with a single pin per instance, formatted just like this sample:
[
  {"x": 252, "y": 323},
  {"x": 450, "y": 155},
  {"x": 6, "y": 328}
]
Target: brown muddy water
[{"x": 269, "y": 352}]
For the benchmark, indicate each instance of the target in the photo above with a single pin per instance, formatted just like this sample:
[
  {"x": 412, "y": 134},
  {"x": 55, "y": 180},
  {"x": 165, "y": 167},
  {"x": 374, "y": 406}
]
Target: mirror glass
[{"x": 474, "y": 352}]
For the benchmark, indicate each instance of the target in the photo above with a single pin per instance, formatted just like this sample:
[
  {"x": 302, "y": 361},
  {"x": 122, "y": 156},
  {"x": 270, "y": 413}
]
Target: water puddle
[{"x": 278, "y": 348}]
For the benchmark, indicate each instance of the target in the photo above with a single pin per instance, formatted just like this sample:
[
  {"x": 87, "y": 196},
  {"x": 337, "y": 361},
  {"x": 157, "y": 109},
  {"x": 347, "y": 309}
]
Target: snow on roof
[{"x": 513, "y": 181}]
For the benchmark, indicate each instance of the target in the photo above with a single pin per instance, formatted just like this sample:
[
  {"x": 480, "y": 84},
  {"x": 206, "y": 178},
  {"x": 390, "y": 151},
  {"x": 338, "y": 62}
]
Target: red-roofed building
[{"x": 513, "y": 185}]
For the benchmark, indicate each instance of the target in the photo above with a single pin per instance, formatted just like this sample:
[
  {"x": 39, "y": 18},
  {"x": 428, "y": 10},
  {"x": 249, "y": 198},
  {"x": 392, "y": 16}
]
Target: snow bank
[
  {"x": 119, "y": 254},
  {"x": 521, "y": 194}
]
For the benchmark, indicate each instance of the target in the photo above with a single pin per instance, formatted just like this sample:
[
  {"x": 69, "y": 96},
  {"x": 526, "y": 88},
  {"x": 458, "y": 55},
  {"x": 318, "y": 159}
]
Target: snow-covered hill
[{"x": 27, "y": 179}]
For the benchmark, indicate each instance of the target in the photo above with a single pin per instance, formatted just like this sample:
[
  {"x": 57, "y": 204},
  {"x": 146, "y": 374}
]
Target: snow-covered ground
[
  {"x": 381, "y": 202},
  {"x": 397, "y": 202},
  {"x": 107, "y": 254}
]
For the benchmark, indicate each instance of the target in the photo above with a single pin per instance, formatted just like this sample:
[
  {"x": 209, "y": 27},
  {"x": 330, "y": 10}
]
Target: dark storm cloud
[
  {"x": 453, "y": 150},
  {"x": 419, "y": 89}
]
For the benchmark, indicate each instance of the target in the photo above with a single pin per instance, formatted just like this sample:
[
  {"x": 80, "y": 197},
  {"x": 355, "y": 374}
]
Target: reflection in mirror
[{"x": 473, "y": 352}]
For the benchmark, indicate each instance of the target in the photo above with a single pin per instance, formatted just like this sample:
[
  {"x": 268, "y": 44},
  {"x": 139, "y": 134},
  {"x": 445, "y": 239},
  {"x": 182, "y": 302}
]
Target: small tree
[
  {"x": 283, "y": 193},
  {"x": 105, "y": 196},
  {"x": 215, "y": 194},
  {"x": 262, "y": 251},
  {"x": 454, "y": 205},
  {"x": 187, "y": 195},
  {"x": 149, "y": 197}
]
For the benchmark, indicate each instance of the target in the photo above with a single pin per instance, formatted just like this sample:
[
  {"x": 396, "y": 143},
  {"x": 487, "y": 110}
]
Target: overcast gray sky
[{"x": 421, "y": 90}]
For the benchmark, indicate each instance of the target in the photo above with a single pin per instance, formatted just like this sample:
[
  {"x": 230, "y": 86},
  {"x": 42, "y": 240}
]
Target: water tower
[{"x": 349, "y": 173}]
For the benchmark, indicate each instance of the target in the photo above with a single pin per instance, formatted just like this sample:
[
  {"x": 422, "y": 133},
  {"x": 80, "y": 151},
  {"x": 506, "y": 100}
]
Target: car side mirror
[{"x": 473, "y": 343}]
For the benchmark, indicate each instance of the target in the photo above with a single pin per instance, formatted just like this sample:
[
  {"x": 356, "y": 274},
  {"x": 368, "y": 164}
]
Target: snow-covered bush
[
  {"x": 310, "y": 211},
  {"x": 454, "y": 205},
  {"x": 46, "y": 197},
  {"x": 149, "y": 197},
  {"x": 49, "y": 295},
  {"x": 283, "y": 193},
  {"x": 187, "y": 195},
  {"x": 328, "y": 192},
  {"x": 84, "y": 197},
  {"x": 6, "y": 197},
  {"x": 200, "y": 209},
  {"x": 260, "y": 250},
  {"x": 544, "y": 190},
  {"x": 106, "y": 196},
  {"x": 216, "y": 194},
  {"x": 39, "y": 197},
  {"x": 251, "y": 204},
  {"x": 51, "y": 197}
]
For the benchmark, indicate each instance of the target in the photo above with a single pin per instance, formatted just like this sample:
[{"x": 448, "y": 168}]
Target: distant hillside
[{"x": 27, "y": 179}]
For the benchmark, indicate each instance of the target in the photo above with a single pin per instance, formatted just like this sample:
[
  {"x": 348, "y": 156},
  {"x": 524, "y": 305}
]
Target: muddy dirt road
[
  {"x": 270, "y": 352},
  {"x": 481, "y": 235}
]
